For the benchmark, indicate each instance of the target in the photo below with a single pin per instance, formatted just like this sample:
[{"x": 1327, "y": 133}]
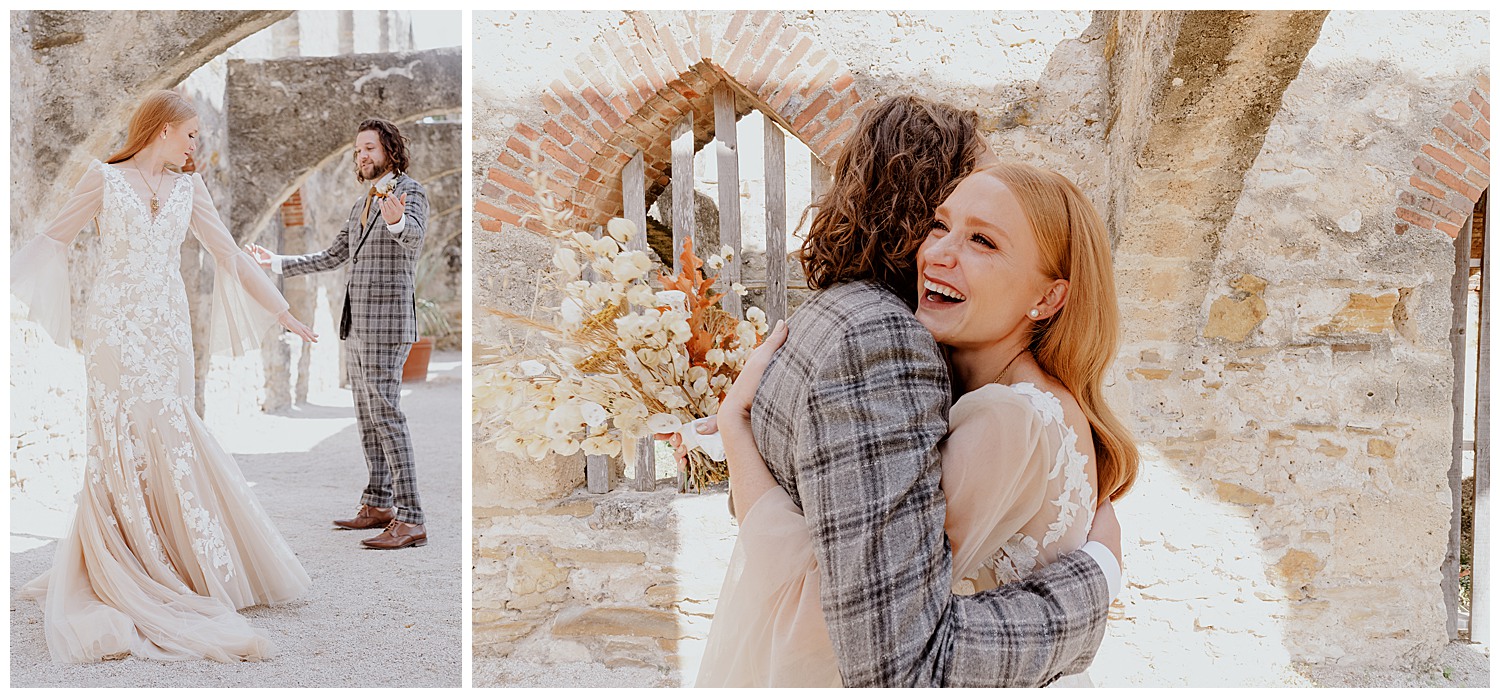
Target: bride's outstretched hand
[
  {"x": 261, "y": 255},
  {"x": 295, "y": 326},
  {"x": 736, "y": 404}
]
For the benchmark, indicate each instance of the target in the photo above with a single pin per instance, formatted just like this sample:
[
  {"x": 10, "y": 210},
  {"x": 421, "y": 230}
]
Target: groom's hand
[
  {"x": 392, "y": 209},
  {"x": 1106, "y": 530}
]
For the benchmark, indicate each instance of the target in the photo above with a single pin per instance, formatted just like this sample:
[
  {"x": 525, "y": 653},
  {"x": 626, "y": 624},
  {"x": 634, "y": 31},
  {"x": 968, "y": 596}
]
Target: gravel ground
[
  {"x": 371, "y": 618},
  {"x": 511, "y": 673}
]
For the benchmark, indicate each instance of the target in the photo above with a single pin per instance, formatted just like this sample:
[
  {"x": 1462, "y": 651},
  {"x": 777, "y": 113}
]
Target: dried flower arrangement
[{"x": 629, "y": 360}]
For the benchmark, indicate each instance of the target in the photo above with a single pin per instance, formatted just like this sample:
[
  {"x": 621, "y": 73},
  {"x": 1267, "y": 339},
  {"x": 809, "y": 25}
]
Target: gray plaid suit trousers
[
  {"x": 849, "y": 416},
  {"x": 381, "y": 295}
]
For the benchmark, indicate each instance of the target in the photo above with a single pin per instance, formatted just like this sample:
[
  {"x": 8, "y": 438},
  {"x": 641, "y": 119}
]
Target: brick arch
[
  {"x": 1452, "y": 169},
  {"x": 641, "y": 78}
]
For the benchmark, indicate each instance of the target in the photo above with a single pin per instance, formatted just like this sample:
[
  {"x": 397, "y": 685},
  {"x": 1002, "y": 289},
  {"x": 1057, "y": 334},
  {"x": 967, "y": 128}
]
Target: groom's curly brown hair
[
  {"x": 905, "y": 157},
  {"x": 391, "y": 141}
]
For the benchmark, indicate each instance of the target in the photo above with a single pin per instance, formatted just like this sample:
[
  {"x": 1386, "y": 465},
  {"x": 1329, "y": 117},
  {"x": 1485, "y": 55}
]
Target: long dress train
[
  {"x": 1018, "y": 496},
  {"x": 168, "y": 541}
]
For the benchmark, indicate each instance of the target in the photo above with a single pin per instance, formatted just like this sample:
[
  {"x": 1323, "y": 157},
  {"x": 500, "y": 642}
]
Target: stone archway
[
  {"x": 76, "y": 76},
  {"x": 325, "y": 99},
  {"x": 637, "y": 81}
]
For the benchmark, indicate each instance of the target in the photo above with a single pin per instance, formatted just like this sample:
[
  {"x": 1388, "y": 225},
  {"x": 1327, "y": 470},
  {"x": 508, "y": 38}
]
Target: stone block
[
  {"x": 1234, "y": 319},
  {"x": 631, "y": 622}
]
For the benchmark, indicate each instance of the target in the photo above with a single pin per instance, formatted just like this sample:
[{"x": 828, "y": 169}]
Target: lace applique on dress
[{"x": 1019, "y": 556}]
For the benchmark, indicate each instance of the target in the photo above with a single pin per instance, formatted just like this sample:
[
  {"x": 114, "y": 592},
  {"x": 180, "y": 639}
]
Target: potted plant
[{"x": 432, "y": 322}]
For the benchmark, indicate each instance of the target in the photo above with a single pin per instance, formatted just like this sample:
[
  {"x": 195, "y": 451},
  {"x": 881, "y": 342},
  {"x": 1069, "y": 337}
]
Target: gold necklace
[
  {"x": 155, "y": 203},
  {"x": 999, "y": 375}
]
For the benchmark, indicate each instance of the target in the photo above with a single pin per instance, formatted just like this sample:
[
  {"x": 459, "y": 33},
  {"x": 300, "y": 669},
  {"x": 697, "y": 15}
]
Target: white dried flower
[
  {"x": 726, "y": 252},
  {"x": 531, "y": 368},
  {"x": 715, "y": 262},
  {"x": 676, "y": 300},
  {"x": 566, "y": 260},
  {"x": 593, "y": 413},
  {"x": 738, "y": 289},
  {"x": 571, "y": 311},
  {"x": 621, "y": 229}
]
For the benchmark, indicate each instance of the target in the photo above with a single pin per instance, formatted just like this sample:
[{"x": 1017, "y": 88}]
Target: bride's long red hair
[
  {"x": 159, "y": 108},
  {"x": 1077, "y": 345}
]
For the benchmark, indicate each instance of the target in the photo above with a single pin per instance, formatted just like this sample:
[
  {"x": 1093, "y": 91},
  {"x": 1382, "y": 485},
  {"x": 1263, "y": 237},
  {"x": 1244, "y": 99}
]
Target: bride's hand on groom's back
[{"x": 737, "y": 401}]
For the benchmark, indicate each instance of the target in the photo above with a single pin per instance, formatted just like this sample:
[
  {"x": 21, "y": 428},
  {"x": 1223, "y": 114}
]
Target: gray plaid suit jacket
[
  {"x": 382, "y": 281},
  {"x": 849, "y": 416}
]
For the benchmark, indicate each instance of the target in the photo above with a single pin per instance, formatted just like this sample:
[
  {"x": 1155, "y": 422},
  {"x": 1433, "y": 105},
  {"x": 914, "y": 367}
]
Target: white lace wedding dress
[
  {"x": 1019, "y": 497},
  {"x": 168, "y": 541}
]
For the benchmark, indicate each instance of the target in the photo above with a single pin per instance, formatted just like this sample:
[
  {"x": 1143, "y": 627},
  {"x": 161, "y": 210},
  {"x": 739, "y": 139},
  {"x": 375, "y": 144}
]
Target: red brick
[
  {"x": 811, "y": 111},
  {"x": 784, "y": 68},
  {"x": 602, "y": 107},
  {"x": 704, "y": 38},
  {"x": 1475, "y": 159},
  {"x": 1425, "y": 165},
  {"x": 1480, "y": 103},
  {"x": 1436, "y": 207},
  {"x": 563, "y": 157},
  {"x": 601, "y": 128},
  {"x": 735, "y": 63},
  {"x": 1414, "y": 218},
  {"x": 514, "y": 184},
  {"x": 1444, "y": 158},
  {"x": 555, "y": 129},
  {"x": 1401, "y": 228},
  {"x": 491, "y": 191},
  {"x": 582, "y": 151},
  {"x": 830, "y": 68},
  {"x": 527, "y": 132},
  {"x": 1449, "y": 228},
  {"x": 1463, "y": 132},
  {"x": 564, "y": 93},
  {"x": 509, "y": 160},
  {"x": 495, "y": 212},
  {"x": 843, "y": 82},
  {"x": 1428, "y": 185},
  {"x": 670, "y": 47},
  {"x": 1481, "y": 127},
  {"x": 1458, "y": 184},
  {"x": 1463, "y": 110},
  {"x": 1480, "y": 178},
  {"x": 622, "y": 54},
  {"x": 831, "y": 139},
  {"x": 1443, "y": 137}
]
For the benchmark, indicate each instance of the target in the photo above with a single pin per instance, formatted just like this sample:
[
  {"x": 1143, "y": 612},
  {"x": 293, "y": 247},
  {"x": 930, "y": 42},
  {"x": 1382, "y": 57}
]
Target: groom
[
  {"x": 849, "y": 416},
  {"x": 382, "y": 241}
]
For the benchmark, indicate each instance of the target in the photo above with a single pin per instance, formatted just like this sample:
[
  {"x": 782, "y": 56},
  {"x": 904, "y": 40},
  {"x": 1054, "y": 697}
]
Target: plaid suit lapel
[{"x": 372, "y": 222}]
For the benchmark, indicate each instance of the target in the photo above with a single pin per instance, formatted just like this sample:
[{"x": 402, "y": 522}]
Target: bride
[
  {"x": 168, "y": 541},
  {"x": 1015, "y": 279}
]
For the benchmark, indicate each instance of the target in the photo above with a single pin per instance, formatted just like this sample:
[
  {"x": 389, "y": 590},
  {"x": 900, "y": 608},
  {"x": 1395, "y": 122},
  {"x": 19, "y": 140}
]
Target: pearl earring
[{"x": 1034, "y": 313}]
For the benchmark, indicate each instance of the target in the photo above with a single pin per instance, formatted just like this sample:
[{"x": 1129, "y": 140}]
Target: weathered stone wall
[{"x": 1282, "y": 261}]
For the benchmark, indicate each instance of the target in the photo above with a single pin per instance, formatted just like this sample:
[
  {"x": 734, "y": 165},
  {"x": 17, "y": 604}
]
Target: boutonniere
[{"x": 385, "y": 190}]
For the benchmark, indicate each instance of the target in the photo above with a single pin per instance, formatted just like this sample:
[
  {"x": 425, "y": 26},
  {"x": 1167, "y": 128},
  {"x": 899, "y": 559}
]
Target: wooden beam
[
  {"x": 683, "y": 224},
  {"x": 775, "y": 160},
  {"x": 596, "y": 469},
  {"x": 726, "y": 136},
  {"x": 633, "y": 189},
  {"x": 1479, "y": 576},
  {"x": 1459, "y": 292}
]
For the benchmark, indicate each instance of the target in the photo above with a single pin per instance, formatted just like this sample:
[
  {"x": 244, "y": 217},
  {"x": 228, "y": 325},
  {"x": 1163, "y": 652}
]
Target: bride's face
[
  {"x": 978, "y": 271},
  {"x": 181, "y": 142}
]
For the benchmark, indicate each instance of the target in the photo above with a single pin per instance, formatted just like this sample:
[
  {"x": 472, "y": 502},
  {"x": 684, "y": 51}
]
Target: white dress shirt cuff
[
  {"x": 1108, "y": 564},
  {"x": 398, "y": 226},
  {"x": 276, "y": 262}
]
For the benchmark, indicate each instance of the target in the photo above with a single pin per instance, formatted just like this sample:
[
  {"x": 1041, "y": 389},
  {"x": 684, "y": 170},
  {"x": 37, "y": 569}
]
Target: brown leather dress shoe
[
  {"x": 398, "y": 534},
  {"x": 368, "y": 517}
]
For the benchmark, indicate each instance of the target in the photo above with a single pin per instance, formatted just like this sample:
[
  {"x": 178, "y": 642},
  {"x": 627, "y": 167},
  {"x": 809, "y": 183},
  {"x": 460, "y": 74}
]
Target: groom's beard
[{"x": 373, "y": 171}]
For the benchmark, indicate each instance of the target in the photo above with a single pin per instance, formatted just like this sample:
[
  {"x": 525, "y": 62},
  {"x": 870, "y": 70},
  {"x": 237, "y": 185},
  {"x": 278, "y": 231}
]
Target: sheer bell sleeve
[
  {"x": 245, "y": 302},
  {"x": 996, "y": 463},
  {"x": 39, "y": 269}
]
